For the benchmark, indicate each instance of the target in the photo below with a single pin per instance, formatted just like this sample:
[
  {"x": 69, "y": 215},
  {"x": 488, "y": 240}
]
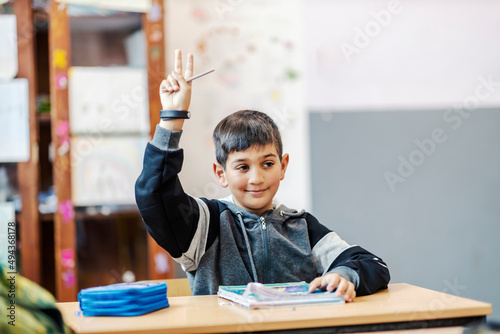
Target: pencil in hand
[
  {"x": 200, "y": 75},
  {"x": 194, "y": 77}
]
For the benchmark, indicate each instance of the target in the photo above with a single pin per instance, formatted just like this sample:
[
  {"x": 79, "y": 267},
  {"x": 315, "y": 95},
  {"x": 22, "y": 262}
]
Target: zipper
[
  {"x": 263, "y": 220},
  {"x": 266, "y": 252}
]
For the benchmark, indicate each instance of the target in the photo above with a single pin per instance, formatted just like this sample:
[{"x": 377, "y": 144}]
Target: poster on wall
[
  {"x": 140, "y": 6},
  {"x": 8, "y": 51},
  {"x": 108, "y": 100},
  {"x": 14, "y": 121},
  {"x": 104, "y": 169}
]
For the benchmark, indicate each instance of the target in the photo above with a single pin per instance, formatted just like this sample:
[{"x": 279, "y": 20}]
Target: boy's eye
[
  {"x": 242, "y": 167},
  {"x": 268, "y": 164}
]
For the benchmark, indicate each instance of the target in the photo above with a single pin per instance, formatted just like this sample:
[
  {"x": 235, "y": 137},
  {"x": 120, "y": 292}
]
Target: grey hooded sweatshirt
[{"x": 218, "y": 243}]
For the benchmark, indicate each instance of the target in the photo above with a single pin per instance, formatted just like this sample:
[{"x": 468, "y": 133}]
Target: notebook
[{"x": 258, "y": 295}]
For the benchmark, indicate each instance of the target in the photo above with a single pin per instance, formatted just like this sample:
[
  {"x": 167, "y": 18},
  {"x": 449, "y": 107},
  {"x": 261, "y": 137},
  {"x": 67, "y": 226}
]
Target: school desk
[{"x": 401, "y": 306}]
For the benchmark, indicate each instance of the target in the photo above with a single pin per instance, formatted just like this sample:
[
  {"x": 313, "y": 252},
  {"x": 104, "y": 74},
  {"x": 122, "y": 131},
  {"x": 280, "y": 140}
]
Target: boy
[{"x": 247, "y": 236}]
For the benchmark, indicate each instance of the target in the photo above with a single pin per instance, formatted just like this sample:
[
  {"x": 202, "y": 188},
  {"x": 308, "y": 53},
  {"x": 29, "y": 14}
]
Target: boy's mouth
[{"x": 257, "y": 191}]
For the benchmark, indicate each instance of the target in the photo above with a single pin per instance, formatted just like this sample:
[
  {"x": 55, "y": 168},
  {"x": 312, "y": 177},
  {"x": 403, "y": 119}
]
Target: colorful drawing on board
[
  {"x": 199, "y": 13},
  {"x": 202, "y": 46},
  {"x": 214, "y": 38},
  {"x": 257, "y": 52},
  {"x": 276, "y": 95},
  {"x": 230, "y": 78},
  {"x": 251, "y": 47},
  {"x": 289, "y": 45},
  {"x": 291, "y": 74}
]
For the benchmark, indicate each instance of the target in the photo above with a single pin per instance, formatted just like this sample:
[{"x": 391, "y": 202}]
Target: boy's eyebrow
[{"x": 245, "y": 159}]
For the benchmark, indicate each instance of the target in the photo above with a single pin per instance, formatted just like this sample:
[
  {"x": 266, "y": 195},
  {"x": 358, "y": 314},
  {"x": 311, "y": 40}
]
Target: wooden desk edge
[{"x": 479, "y": 310}]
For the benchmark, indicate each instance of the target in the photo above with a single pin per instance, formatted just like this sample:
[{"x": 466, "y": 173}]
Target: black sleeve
[
  {"x": 315, "y": 229},
  {"x": 170, "y": 215},
  {"x": 373, "y": 272}
]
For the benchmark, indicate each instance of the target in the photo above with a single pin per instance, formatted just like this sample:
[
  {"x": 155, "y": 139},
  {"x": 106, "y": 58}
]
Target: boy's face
[{"x": 253, "y": 176}]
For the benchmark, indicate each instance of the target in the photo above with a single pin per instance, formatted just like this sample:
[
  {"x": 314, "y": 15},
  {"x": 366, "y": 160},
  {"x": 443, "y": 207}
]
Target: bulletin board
[{"x": 256, "y": 48}]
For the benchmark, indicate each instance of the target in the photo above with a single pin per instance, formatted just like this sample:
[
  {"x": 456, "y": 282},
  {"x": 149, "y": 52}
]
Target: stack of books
[{"x": 123, "y": 299}]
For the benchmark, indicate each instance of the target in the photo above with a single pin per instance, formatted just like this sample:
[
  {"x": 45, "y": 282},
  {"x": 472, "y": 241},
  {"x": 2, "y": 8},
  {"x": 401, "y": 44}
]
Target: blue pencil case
[
  {"x": 126, "y": 310},
  {"x": 123, "y": 299}
]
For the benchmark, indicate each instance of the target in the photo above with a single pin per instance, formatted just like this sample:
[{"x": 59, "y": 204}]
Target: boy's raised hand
[
  {"x": 331, "y": 281},
  {"x": 175, "y": 92}
]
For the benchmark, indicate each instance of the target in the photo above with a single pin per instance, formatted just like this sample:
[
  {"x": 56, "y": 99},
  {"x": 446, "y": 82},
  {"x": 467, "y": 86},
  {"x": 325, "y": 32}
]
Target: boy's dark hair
[{"x": 243, "y": 129}]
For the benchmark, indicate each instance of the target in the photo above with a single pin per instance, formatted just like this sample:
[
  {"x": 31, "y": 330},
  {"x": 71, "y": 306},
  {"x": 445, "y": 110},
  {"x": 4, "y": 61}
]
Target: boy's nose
[{"x": 256, "y": 177}]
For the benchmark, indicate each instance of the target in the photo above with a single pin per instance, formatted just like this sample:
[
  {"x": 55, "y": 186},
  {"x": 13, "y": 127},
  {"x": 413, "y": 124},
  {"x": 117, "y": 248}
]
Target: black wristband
[{"x": 174, "y": 114}]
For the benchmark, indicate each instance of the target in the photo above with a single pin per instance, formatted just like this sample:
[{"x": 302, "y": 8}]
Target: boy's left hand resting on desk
[{"x": 331, "y": 281}]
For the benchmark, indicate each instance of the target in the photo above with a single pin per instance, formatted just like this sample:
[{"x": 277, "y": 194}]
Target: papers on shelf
[
  {"x": 8, "y": 49},
  {"x": 141, "y": 6},
  {"x": 104, "y": 169},
  {"x": 14, "y": 121}
]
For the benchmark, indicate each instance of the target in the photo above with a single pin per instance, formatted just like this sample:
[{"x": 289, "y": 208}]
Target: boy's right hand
[{"x": 175, "y": 92}]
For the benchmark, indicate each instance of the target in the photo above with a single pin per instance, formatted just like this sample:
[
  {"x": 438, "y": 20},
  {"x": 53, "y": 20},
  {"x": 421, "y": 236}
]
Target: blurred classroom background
[{"x": 390, "y": 111}]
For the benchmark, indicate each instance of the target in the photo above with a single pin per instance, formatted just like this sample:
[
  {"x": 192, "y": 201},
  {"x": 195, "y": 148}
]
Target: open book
[{"x": 258, "y": 295}]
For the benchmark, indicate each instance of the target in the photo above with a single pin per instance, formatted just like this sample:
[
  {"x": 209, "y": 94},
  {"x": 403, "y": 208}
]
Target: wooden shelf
[
  {"x": 28, "y": 172},
  {"x": 126, "y": 211},
  {"x": 43, "y": 117},
  {"x": 128, "y": 21},
  {"x": 50, "y": 240},
  {"x": 46, "y": 217}
]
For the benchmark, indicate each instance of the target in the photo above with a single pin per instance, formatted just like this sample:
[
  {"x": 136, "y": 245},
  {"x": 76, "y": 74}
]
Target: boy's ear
[
  {"x": 220, "y": 175},
  {"x": 284, "y": 164}
]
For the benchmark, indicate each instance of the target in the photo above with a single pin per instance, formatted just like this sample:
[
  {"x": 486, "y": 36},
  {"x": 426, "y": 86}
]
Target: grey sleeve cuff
[
  {"x": 349, "y": 274},
  {"x": 166, "y": 139}
]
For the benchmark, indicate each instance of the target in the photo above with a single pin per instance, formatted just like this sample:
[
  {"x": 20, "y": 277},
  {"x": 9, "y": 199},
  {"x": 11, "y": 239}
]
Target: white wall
[
  {"x": 422, "y": 54},
  {"x": 435, "y": 65}
]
